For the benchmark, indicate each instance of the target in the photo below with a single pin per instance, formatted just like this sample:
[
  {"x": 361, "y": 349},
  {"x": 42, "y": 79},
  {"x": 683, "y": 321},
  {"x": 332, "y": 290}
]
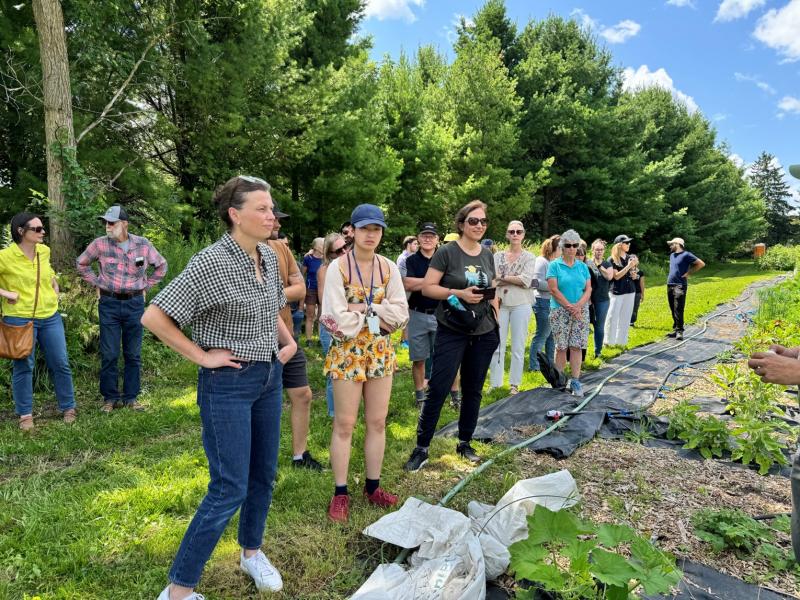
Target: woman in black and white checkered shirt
[{"x": 230, "y": 294}]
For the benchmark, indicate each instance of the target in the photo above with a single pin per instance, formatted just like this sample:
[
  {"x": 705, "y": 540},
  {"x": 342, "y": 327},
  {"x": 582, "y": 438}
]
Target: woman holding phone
[{"x": 460, "y": 276}]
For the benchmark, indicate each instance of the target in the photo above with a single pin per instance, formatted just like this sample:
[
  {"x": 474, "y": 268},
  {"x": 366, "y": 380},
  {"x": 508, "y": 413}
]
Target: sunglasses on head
[
  {"x": 571, "y": 245},
  {"x": 35, "y": 229},
  {"x": 473, "y": 221},
  {"x": 516, "y": 231}
]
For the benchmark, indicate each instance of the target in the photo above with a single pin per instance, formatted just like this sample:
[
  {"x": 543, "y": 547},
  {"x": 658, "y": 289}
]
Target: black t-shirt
[
  {"x": 600, "y": 285},
  {"x": 460, "y": 271},
  {"x": 638, "y": 282},
  {"x": 624, "y": 285},
  {"x": 416, "y": 266}
]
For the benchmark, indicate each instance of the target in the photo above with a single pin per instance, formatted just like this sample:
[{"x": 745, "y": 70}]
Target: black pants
[
  {"x": 451, "y": 351},
  {"x": 637, "y": 300},
  {"x": 676, "y": 296}
]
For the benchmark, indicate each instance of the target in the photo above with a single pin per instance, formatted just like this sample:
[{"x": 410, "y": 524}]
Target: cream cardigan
[{"x": 346, "y": 324}]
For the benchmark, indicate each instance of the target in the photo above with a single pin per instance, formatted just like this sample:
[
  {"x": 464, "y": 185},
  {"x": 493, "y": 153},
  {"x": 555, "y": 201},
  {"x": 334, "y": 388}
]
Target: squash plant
[{"x": 579, "y": 560}]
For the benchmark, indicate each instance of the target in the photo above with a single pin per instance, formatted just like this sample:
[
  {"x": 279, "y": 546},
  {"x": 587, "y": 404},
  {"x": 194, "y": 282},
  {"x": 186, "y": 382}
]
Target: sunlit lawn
[{"x": 96, "y": 511}]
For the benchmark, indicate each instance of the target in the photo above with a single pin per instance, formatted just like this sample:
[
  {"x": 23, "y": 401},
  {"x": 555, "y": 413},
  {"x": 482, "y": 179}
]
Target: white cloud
[
  {"x": 681, "y": 3},
  {"x": 778, "y": 29},
  {"x": 451, "y": 32},
  {"x": 719, "y": 117},
  {"x": 392, "y": 9},
  {"x": 788, "y": 105},
  {"x": 736, "y": 159},
  {"x": 730, "y": 10},
  {"x": 616, "y": 34},
  {"x": 643, "y": 77},
  {"x": 763, "y": 86},
  {"x": 621, "y": 32}
]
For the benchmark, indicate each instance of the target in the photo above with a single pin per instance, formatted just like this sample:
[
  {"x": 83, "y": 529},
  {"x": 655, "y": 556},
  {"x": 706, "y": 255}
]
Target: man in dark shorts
[
  {"x": 295, "y": 375},
  {"x": 682, "y": 263},
  {"x": 422, "y": 322}
]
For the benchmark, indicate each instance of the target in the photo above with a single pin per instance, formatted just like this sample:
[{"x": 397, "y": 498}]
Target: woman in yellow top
[
  {"x": 363, "y": 303},
  {"x": 20, "y": 265}
]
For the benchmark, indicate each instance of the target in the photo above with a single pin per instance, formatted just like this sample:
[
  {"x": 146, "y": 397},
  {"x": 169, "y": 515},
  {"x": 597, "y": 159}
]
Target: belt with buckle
[{"x": 120, "y": 295}]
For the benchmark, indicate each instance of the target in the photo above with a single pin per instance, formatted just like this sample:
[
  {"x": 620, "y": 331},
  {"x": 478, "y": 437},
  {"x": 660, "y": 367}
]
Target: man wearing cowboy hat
[{"x": 682, "y": 263}]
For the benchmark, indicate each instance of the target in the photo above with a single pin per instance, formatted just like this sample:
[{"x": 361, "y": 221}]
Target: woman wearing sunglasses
[
  {"x": 570, "y": 289},
  {"x": 623, "y": 292},
  {"x": 514, "y": 268},
  {"x": 364, "y": 302},
  {"x": 334, "y": 246},
  {"x": 460, "y": 276},
  {"x": 29, "y": 292},
  {"x": 230, "y": 294}
]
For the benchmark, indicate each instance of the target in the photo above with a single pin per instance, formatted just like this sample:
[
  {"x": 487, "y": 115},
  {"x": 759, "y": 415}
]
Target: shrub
[{"x": 779, "y": 258}]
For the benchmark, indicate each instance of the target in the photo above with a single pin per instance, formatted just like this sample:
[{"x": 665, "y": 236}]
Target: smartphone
[{"x": 487, "y": 293}]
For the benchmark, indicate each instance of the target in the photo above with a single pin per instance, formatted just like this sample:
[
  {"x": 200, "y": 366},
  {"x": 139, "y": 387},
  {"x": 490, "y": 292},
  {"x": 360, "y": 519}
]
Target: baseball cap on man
[
  {"x": 278, "y": 214},
  {"x": 114, "y": 214},
  {"x": 367, "y": 214},
  {"x": 677, "y": 240},
  {"x": 427, "y": 228},
  {"x": 621, "y": 239}
]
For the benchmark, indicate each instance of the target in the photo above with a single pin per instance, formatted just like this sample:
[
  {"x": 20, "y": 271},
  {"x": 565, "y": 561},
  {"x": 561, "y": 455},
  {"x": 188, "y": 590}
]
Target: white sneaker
[
  {"x": 262, "y": 571},
  {"x": 193, "y": 596}
]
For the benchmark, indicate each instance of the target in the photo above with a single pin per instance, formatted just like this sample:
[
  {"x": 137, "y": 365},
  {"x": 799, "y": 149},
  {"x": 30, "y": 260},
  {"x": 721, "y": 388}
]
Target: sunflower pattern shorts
[
  {"x": 569, "y": 332},
  {"x": 366, "y": 356}
]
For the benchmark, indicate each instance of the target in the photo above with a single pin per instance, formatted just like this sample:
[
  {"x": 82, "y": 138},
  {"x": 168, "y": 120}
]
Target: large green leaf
[
  {"x": 611, "y": 568},
  {"x": 544, "y": 525},
  {"x": 611, "y": 535},
  {"x": 525, "y": 556}
]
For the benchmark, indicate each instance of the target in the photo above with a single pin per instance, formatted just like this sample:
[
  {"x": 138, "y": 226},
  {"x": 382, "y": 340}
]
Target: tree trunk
[{"x": 57, "y": 119}]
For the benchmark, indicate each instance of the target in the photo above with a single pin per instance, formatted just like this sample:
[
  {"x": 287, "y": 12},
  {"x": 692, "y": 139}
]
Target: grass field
[{"x": 97, "y": 510}]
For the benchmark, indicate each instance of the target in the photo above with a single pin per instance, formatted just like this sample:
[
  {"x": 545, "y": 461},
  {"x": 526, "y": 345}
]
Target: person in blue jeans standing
[
  {"x": 543, "y": 338},
  {"x": 121, "y": 283},
  {"x": 335, "y": 245},
  {"x": 29, "y": 292},
  {"x": 230, "y": 294},
  {"x": 602, "y": 274}
]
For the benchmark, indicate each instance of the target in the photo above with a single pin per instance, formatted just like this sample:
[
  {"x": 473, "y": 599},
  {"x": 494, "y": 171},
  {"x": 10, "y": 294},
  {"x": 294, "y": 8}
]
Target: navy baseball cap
[
  {"x": 277, "y": 212},
  {"x": 622, "y": 239},
  {"x": 114, "y": 214},
  {"x": 487, "y": 243},
  {"x": 367, "y": 214}
]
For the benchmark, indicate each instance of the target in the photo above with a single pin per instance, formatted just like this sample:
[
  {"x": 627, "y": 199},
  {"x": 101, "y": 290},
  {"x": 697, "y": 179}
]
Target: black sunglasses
[
  {"x": 516, "y": 231},
  {"x": 473, "y": 221},
  {"x": 35, "y": 229},
  {"x": 339, "y": 251},
  {"x": 571, "y": 245}
]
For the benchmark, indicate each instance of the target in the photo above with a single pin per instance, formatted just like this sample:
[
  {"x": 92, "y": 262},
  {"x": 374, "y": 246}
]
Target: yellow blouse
[{"x": 18, "y": 274}]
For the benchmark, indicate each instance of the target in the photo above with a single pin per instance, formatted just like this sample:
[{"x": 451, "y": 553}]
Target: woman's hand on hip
[{"x": 220, "y": 357}]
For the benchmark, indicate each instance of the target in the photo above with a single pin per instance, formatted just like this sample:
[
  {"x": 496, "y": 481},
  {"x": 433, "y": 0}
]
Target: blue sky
[{"x": 737, "y": 61}]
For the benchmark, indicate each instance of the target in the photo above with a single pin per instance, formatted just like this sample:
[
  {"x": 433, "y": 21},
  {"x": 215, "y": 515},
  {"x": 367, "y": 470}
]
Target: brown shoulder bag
[{"x": 16, "y": 341}]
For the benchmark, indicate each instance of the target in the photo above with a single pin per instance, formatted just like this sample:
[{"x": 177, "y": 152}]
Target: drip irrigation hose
[{"x": 565, "y": 419}]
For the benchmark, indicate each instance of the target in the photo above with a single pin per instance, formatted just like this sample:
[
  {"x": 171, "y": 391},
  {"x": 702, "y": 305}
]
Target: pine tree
[{"x": 767, "y": 177}]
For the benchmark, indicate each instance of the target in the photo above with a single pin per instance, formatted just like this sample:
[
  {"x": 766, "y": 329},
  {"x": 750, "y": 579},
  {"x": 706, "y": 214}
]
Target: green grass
[{"x": 97, "y": 510}]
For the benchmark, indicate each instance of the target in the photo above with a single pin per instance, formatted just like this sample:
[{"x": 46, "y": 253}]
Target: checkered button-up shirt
[
  {"x": 227, "y": 307},
  {"x": 121, "y": 271}
]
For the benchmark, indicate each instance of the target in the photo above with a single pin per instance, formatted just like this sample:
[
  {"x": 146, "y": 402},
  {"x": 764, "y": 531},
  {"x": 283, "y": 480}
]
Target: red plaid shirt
[{"x": 122, "y": 272}]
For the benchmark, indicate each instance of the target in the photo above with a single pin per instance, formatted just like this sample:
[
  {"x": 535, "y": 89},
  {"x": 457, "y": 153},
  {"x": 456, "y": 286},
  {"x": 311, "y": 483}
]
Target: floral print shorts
[
  {"x": 364, "y": 357},
  {"x": 569, "y": 332}
]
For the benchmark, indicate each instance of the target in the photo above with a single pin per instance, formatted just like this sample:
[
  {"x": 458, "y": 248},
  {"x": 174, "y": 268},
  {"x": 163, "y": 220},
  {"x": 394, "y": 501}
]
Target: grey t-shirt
[{"x": 460, "y": 271}]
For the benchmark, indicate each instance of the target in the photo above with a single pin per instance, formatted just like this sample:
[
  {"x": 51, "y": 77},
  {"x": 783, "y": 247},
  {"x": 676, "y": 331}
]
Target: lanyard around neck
[{"x": 371, "y": 281}]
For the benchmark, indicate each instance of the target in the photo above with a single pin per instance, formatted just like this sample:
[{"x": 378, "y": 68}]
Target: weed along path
[{"x": 700, "y": 510}]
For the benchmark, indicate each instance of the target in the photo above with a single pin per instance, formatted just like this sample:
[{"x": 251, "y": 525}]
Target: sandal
[
  {"x": 107, "y": 407},
  {"x": 69, "y": 416},
  {"x": 26, "y": 423}
]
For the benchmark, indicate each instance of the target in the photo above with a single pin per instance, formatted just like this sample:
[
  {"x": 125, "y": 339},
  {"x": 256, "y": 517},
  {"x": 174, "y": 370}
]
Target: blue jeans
[
  {"x": 240, "y": 410},
  {"x": 325, "y": 339},
  {"x": 600, "y": 312},
  {"x": 543, "y": 338},
  {"x": 48, "y": 334},
  {"x": 120, "y": 323}
]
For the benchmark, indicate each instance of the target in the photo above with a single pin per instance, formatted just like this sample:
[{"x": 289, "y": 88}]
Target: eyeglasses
[
  {"x": 516, "y": 231},
  {"x": 339, "y": 251},
  {"x": 35, "y": 229},
  {"x": 473, "y": 221},
  {"x": 571, "y": 245}
]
